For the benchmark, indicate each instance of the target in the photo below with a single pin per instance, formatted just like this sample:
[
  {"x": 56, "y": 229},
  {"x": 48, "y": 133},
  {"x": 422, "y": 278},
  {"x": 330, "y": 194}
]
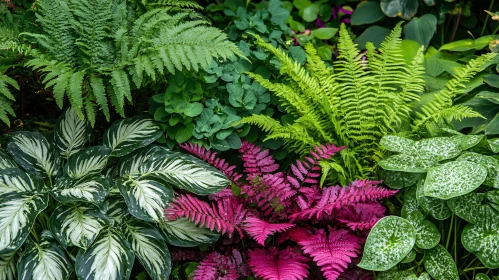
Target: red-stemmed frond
[
  {"x": 332, "y": 198},
  {"x": 272, "y": 264},
  {"x": 260, "y": 230},
  {"x": 332, "y": 253},
  {"x": 211, "y": 158},
  {"x": 255, "y": 161},
  {"x": 361, "y": 216},
  {"x": 224, "y": 216}
]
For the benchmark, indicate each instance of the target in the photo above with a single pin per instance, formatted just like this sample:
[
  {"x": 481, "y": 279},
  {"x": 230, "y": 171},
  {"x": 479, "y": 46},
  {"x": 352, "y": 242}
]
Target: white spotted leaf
[
  {"x": 77, "y": 224},
  {"x": 184, "y": 233},
  {"x": 45, "y": 261},
  {"x": 466, "y": 141},
  {"x": 427, "y": 234},
  {"x": 125, "y": 136},
  {"x": 398, "y": 180},
  {"x": 440, "y": 147},
  {"x": 453, "y": 179},
  {"x": 439, "y": 264},
  {"x": 417, "y": 163},
  {"x": 398, "y": 144},
  {"x": 150, "y": 248},
  {"x": 86, "y": 162},
  {"x": 109, "y": 257},
  {"x": 93, "y": 189},
  {"x": 489, "y": 162},
  {"x": 481, "y": 276},
  {"x": 468, "y": 207},
  {"x": 389, "y": 241},
  {"x": 436, "y": 207},
  {"x": 8, "y": 266},
  {"x": 71, "y": 133}
]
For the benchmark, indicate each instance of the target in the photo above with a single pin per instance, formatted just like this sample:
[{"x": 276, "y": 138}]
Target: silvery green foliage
[
  {"x": 389, "y": 241},
  {"x": 439, "y": 264},
  {"x": 109, "y": 200},
  {"x": 427, "y": 234},
  {"x": 482, "y": 238}
]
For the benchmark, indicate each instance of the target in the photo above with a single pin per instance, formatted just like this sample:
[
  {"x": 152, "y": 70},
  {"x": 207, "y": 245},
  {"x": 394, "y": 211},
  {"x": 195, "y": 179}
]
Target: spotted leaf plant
[
  {"x": 449, "y": 224},
  {"x": 69, "y": 208}
]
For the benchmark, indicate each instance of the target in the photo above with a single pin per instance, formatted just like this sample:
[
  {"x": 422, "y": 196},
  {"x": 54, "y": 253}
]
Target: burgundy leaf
[
  {"x": 260, "y": 230},
  {"x": 272, "y": 264}
]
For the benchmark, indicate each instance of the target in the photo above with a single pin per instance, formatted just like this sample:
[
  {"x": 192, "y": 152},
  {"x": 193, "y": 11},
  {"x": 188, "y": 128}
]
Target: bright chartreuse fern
[
  {"x": 358, "y": 102},
  {"x": 97, "y": 51}
]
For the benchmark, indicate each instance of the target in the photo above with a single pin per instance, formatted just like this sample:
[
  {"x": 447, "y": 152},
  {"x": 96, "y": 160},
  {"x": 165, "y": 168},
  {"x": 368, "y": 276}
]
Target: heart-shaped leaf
[
  {"x": 468, "y": 207},
  {"x": 405, "y": 9},
  {"x": 436, "y": 207},
  {"x": 440, "y": 147},
  {"x": 366, "y": 12},
  {"x": 389, "y": 241},
  {"x": 489, "y": 162},
  {"x": 482, "y": 239},
  {"x": 421, "y": 29},
  {"x": 409, "y": 163},
  {"x": 453, "y": 179},
  {"x": 439, "y": 264},
  {"x": 399, "y": 180},
  {"x": 398, "y": 144}
]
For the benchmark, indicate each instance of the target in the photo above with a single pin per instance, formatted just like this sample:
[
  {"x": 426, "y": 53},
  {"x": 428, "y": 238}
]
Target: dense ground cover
[{"x": 178, "y": 139}]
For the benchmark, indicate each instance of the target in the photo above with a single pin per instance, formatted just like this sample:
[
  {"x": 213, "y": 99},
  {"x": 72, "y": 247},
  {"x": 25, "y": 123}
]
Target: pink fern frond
[
  {"x": 325, "y": 151},
  {"x": 333, "y": 198},
  {"x": 272, "y": 264},
  {"x": 211, "y": 158},
  {"x": 260, "y": 230},
  {"x": 224, "y": 216},
  {"x": 217, "y": 267},
  {"x": 332, "y": 253},
  {"x": 255, "y": 161},
  {"x": 361, "y": 216}
]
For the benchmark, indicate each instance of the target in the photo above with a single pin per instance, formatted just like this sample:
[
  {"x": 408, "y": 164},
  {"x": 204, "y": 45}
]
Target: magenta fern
[
  {"x": 272, "y": 264},
  {"x": 361, "y": 216},
  {"x": 256, "y": 162},
  {"x": 260, "y": 230},
  {"x": 220, "y": 267}
]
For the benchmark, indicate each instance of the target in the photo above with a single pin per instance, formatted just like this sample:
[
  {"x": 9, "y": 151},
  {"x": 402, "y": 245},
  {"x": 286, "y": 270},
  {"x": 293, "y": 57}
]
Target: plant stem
[
  {"x": 487, "y": 17},
  {"x": 450, "y": 231},
  {"x": 473, "y": 268},
  {"x": 455, "y": 26}
]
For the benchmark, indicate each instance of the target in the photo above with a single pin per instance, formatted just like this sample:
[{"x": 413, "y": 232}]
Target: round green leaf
[
  {"x": 193, "y": 109},
  {"x": 454, "y": 179},
  {"x": 184, "y": 233},
  {"x": 439, "y": 264},
  {"x": 441, "y": 147},
  {"x": 366, "y": 12},
  {"x": 310, "y": 12},
  {"x": 489, "y": 162},
  {"x": 482, "y": 239},
  {"x": 421, "y": 29},
  {"x": 427, "y": 234},
  {"x": 389, "y": 241},
  {"x": 325, "y": 33},
  {"x": 405, "y": 9},
  {"x": 481, "y": 276}
]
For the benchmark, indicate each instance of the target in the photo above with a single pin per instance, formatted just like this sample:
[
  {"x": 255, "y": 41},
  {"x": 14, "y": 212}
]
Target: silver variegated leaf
[
  {"x": 436, "y": 207},
  {"x": 468, "y": 207},
  {"x": 15, "y": 180},
  {"x": 489, "y": 162},
  {"x": 125, "y": 136},
  {"x": 184, "y": 233},
  {"x": 399, "y": 180},
  {"x": 399, "y": 144},
  {"x": 109, "y": 257},
  {"x": 427, "y": 234},
  {"x": 34, "y": 153},
  {"x": 482, "y": 239},
  {"x": 417, "y": 163},
  {"x": 439, "y": 264},
  {"x": 17, "y": 215},
  {"x": 8, "y": 266},
  {"x": 77, "y": 224},
  {"x": 92, "y": 190},
  {"x": 45, "y": 261},
  {"x": 150, "y": 248},
  {"x": 146, "y": 199},
  {"x": 71, "y": 133},
  {"x": 176, "y": 169},
  {"x": 441, "y": 147},
  {"x": 117, "y": 209},
  {"x": 89, "y": 161},
  {"x": 466, "y": 141},
  {"x": 6, "y": 161}
]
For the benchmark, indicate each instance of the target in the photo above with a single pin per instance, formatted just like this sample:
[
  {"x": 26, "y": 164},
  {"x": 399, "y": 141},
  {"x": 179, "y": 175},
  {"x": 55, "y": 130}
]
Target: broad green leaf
[
  {"x": 175, "y": 169},
  {"x": 86, "y": 162},
  {"x": 468, "y": 44},
  {"x": 396, "y": 275},
  {"x": 410, "y": 257},
  {"x": 431, "y": 65},
  {"x": 436, "y": 207},
  {"x": 6, "y": 161},
  {"x": 389, "y": 241},
  {"x": 489, "y": 162},
  {"x": 15, "y": 180},
  {"x": 46, "y": 260},
  {"x": 92, "y": 190},
  {"x": 184, "y": 233},
  {"x": 325, "y": 33},
  {"x": 77, "y": 224},
  {"x": 417, "y": 163},
  {"x": 467, "y": 141},
  {"x": 439, "y": 264},
  {"x": 146, "y": 199},
  {"x": 482, "y": 239},
  {"x": 410, "y": 203},
  {"x": 71, "y": 133},
  {"x": 17, "y": 215},
  {"x": 405, "y": 9},
  {"x": 421, "y": 29},
  {"x": 117, "y": 209},
  {"x": 399, "y": 180},
  {"x": 125, "y": 136},
  {"x": 398, "y": 144},
  {"x": 8, "y": 266},
  {"x": 481, "y": 276},
  {"x": 441, "y": 147},
  {"x": 453, "y": 179},
  {"x": 150, "y": 248},
  {"x": 366, "y": 12},
  {"x": 427, "y": 234},
  {"x": 424, "y": 276},
  {"x": 109, "y": 257},
  {"x": 468, "y": 207},
  {"x": 34, "y": 153},
  {"x": 373, "y": 34}
]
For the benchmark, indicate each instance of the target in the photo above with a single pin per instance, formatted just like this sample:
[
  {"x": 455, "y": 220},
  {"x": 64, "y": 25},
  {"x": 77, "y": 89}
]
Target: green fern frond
[
  {"x": 99, "y": 93},
  {"x": 7, "y": 98},
  {"x": 184, "y": 4}
]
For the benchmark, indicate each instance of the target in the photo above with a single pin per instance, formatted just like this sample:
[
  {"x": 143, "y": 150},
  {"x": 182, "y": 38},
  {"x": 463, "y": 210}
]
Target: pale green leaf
[
  {"x": 89, "y": 161},
  {"x": 439, "y": 264},
  {"x": 184, "y": 233}
]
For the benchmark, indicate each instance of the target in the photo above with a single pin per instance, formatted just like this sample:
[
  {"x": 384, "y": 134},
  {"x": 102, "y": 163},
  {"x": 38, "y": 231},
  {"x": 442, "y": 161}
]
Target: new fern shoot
[{"x": 355, "y": 103}]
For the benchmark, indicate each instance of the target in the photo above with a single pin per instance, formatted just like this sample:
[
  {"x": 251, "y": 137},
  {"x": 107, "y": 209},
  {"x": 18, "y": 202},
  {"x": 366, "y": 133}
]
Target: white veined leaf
[
  {"x": 77, "y": 224},
  {"x": 439, "y": 264},
  {"x": 389, "y": 241},
  {"x": 109, "y": 257},
  {"x": 15, "y": 180},
  {"x": 17, "y": 215},
  {"x": 453, "y": 179},
  {"x": 6, "y": 161},
  {"x": 176, "y": 169},
  {"x": 45, "y": 261},
  {"x": 150, "y": 248},
  {"x": 117, "y": 209},
  {"x": 86, "y": 162},
  {"x": 34, "y": 153},
  {"x": 146, "y": 199},
  {"x": 436, "y": 207},
  {"x": 125, "y": 136},
  {"x": 92, "y": 190},
  {"x": 184, "y": 233},
  {"x": 8, "y": 266},
  {"x": 71, "y": 133}
]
